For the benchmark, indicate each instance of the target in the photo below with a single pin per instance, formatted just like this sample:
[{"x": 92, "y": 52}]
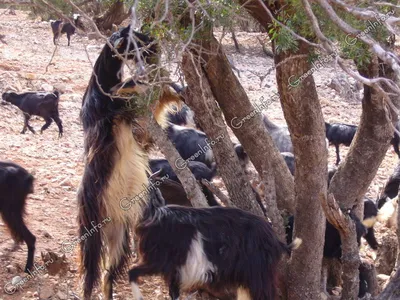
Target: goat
[
  {"x": 40, "y": 104},
  {"x": 279, "y": 134},
  {"x": 59, "y": 28},
  {"x": 15, "y": 185},
  {"x": 115, "y": 163},
  {"x": 217, "y": 249},
  {"x": 338, "y": 133},
  {"x": 199, "y": 170},
  {"x": 175, "y": 194},
  {"x": 391, "y": 188}
]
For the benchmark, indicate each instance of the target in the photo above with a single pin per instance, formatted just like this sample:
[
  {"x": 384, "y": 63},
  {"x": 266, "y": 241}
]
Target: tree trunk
[
  {"x": 189, "y": 183},
  {"x": 114, "y": 15},
  {"x": 245, "y": 120},
  {"x": 372, "y": 140},
  {"x": 201, "y": 100},
  {"x": 303, "y": 114}
]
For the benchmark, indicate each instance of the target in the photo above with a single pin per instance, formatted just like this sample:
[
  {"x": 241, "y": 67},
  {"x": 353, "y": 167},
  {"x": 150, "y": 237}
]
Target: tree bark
[
  {"x": 114, "y": 15},
  {"x": 189, "y": 183},
  {"x": 245, "y": 120},
  {"x": 303, "y": 114},
  {"x": 368, "y": 149},
  {"x": 200, "y": 99}
]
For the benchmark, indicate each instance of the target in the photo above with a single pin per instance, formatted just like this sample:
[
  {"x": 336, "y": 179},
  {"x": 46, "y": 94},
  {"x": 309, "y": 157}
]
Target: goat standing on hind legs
[{"x": 115, "y": 163}]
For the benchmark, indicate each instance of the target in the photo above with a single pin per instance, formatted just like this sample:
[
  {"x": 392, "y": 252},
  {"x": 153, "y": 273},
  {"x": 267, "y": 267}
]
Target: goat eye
[{"x": 118, "y": 43}]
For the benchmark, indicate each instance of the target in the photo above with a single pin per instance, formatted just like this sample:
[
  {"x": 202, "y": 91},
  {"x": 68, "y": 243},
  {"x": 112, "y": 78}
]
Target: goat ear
[{"x": 118, "y": 43}]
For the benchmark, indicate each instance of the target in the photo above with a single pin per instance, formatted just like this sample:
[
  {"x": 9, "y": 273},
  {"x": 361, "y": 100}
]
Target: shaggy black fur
[
  {"x": 99, "y": 114},
  {"x": 15, "y": 185}
]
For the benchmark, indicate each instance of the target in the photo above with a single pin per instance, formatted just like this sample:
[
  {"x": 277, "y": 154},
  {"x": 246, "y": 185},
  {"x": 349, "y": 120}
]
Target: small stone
[
  {"x": 61, "y": 295},
  {"x": 46, "y": 292},
  {"x": 47, "y": 87},
  {"x": 47, "y": 235},
  {"x": 11, "y": 269},
  {"x": 15, "y": 280}
]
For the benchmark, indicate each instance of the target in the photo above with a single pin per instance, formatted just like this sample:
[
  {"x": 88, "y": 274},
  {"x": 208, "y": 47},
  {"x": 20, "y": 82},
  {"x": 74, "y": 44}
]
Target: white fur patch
[
  {"x": 243, "y": 294},
  {"x": 195, "y": 272},
  {"x": 137, "y": 295},
  {"x": 128, "y": 178},
  {"x": 387, "y": 214},
  {"x": 370, "y": 222}
]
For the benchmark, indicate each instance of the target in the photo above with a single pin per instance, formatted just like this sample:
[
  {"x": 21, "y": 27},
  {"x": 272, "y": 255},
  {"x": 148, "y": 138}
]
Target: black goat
[
  {"x": 40, "y": 104},
  {"x": 391, "y": 188},
  {"x": 115, "y": 164},
  {"x": 280, "y": 135},
  {"x": 338, "y": 133},
  {"x": 15, "y": 185},
  {"x": 199, "y": 170},
  {"x": 59, "y": 28},
  {"x": 217, "y": 249},
  {"x": 175, "y": 194}
]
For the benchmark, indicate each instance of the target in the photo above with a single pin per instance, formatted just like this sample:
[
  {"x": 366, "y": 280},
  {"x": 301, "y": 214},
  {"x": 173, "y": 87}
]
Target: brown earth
[{"x": 57, "y": 163}]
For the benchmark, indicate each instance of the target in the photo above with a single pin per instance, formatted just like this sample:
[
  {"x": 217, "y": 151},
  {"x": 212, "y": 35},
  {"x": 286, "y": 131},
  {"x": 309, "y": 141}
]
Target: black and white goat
[
  {"x": 59, "y": 28},
  {"x": 391, "y": 189},
  {"x": 115, "y": 163},
  {"x": 216, "y": 249},
  {"x": 15, "y": 185},
  {"x": 40, "y": 104}
]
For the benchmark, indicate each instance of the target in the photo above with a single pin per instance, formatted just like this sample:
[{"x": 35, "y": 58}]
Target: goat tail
[{"x": 91, "y": 254}]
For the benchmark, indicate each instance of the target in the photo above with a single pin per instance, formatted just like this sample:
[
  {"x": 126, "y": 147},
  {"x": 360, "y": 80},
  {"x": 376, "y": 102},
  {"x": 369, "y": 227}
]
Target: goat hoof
[{"x": 22, "y": 132}]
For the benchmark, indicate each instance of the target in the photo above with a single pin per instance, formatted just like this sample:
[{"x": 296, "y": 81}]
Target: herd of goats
[{"x": 228, "y": 252}]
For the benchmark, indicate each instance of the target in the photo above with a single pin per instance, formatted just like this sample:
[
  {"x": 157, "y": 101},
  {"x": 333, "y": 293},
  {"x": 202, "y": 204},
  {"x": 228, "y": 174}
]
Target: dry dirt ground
[{"x": 57, "y": 163}]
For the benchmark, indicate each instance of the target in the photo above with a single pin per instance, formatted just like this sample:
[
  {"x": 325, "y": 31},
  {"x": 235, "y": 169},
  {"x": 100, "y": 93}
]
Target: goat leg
[
  {"x": 46, "y": 125},
  {"x": 135, "y": 273},
  {"x": 174, "y": 290},
  {"x": 337, "y": 154},
  {"x": 59, "y": 124}
]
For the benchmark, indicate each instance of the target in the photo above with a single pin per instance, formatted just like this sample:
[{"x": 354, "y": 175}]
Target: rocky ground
[{"x": 57, "y": 163}]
